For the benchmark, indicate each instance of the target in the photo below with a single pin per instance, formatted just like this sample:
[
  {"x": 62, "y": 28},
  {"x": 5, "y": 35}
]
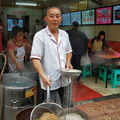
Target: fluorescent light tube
[{"x": 26, "y": 4}]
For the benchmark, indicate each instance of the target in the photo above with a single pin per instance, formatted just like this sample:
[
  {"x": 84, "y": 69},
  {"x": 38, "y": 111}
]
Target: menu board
[
  {"x": 116, "y": 14},
  {"x": 104, "y": 15},
  {"x": 76, "y": 16},
  {"x": 88, "y": 17},
  {"x": 66, "y": 19}
]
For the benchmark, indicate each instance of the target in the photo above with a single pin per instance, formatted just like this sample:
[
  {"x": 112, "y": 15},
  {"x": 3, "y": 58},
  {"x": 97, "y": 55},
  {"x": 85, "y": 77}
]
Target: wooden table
[{"x": 108, "y": 58}]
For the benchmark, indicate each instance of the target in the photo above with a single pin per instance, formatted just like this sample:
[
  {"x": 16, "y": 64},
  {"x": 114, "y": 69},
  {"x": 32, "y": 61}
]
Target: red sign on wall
[
  {"x": 19, "y": 12},
  {"x": 104, "y": 15}
]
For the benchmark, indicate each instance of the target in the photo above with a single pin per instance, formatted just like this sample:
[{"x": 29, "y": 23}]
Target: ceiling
[{"x": 41, "y": 4}]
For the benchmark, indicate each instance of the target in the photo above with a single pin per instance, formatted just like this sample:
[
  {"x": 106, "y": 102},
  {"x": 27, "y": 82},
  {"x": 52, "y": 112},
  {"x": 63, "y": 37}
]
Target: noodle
[
  {"x": 72, "y": 116},
  {"x": 48, "y": 116}
]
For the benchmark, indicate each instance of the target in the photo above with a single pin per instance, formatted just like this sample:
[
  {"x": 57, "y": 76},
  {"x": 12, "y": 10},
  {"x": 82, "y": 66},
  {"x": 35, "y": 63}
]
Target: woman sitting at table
[
  {"x": 98, "y": 44},
  {"x": 16, "y": 49}
]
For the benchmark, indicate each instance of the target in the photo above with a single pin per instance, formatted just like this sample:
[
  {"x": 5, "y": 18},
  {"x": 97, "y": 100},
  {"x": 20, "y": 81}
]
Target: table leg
[
  {"x": 106, "y": 79},
  {"x": 96, "y": 79},
  {"x": 97, "y": 70}
]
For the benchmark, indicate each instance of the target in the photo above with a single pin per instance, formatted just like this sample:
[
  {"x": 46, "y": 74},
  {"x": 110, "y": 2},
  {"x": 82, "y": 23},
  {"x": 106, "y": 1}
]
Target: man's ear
[
  {"x": 61, "y": 19},
  {"x": 46, "y": 18}
]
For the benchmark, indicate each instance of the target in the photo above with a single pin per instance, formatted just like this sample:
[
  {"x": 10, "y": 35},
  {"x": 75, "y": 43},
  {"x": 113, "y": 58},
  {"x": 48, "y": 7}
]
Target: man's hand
[
  {"x": 46, "y": 81},
  {"x": 69, "y": 66}
]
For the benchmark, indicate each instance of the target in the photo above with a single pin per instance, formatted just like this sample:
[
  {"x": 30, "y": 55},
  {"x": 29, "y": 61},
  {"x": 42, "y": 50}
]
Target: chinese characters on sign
[
  {"x": 76, "y": 16},
  {"x": 104, "y": 15},
  {"x": 19, "y": 12},
  {"x": 66, "y": 19},
  {"x": 88, "y": 17}
]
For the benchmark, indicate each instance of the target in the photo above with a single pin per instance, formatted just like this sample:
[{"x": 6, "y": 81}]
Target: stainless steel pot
[{"x": 17, "y": 93}]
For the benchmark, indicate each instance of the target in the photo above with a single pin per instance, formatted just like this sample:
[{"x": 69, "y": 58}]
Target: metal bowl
[
  {"x": 72, "y": 112},
  {"x": 71, "y": 72}
]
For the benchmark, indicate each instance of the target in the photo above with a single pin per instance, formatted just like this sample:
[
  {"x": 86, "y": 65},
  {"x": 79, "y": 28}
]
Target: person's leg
[
  {"x": 78, "y": 58},
  {"x": 65, "y": 94},
  {"x": 61, "y": 94},
  {"x": 75, "y": 61},
  {"x": 53, "y": 94}
]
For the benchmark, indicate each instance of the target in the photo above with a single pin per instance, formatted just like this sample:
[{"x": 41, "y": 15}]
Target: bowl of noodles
[{"x": 73, "y": 114}]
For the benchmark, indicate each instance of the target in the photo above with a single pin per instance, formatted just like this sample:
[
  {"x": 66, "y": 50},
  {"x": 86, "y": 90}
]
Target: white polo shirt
[{"x": 51, "y": 54}]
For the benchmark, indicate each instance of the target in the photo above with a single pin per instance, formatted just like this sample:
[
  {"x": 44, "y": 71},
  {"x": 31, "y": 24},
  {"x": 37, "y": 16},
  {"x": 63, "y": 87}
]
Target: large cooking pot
[
  {"x": 24, "y": 114},
  {"x": 17, "y": 93}
]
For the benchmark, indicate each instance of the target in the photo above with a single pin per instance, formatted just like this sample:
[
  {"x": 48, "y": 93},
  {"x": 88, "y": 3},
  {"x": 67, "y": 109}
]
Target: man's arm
[
  {"x": 68, "y": 60},
  {"x": 38, "y": 66}
]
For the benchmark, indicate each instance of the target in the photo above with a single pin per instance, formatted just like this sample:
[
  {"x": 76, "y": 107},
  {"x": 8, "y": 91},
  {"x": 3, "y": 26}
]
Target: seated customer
[
  {"x": 17, "y": 47},
  {"x": 98, "y": 44}
]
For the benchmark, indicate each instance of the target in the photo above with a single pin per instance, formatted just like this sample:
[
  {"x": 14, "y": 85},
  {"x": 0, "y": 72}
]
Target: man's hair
[
  {"x": 75, "y": 24},
  {"x": 53, "y": 7}
]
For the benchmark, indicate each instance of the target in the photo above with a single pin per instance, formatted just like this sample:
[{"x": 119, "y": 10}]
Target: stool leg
[
  {"x": 84, "y": 71},
  {"x": 91, "y": 70},
  {"x": 103, "y": 73},
  {"x": 112, "y": 76},
  {"x": 114, "y": 80},
  {"x": 87, "y": 70}
]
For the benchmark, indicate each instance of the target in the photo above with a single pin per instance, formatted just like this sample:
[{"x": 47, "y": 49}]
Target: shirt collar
[{"x": 50, "y": 34}]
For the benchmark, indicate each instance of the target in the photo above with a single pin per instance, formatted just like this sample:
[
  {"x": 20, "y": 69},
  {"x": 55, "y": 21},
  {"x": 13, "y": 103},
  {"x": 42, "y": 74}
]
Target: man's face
[{"x": 53, "y": 18}]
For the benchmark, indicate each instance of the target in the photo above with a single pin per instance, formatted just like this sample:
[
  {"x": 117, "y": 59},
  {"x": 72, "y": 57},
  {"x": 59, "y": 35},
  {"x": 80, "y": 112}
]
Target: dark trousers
[
  {"x": 63, "y": 93},
  {"x": 75, "y": 61},
  {"x": 53, "y": 94}
]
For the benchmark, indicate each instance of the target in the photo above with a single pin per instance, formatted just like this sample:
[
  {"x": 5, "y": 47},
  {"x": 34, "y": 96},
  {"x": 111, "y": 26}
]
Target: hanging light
[{"x": 26, "y": 3}]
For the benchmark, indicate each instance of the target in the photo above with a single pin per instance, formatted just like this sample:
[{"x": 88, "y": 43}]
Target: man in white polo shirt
[{"x": 52, "y": 52}]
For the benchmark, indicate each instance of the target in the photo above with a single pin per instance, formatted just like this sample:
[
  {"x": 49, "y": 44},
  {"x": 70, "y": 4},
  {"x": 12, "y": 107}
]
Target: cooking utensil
[
  {"x": 68, "y": 74},
  {"x": 17, "y": 93},
  {"x": 47, "y": 106},
  {"x": 71, "y": 72}
]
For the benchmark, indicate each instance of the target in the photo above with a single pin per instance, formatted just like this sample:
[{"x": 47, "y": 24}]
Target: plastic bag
[{"x": 85, "y": 59}]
